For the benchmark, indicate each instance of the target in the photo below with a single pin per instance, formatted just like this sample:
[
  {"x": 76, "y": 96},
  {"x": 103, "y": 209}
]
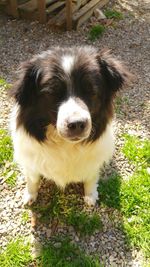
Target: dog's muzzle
[{"x": 74, "y": 120}]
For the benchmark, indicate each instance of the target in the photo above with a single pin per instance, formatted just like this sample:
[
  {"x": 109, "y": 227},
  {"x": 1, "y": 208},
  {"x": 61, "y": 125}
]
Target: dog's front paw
[
  {"x": 90, "y": 200},
  {"x": 29, "y": 198}
]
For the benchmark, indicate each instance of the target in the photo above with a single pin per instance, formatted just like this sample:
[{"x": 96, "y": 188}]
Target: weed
[
  {"x": 5, "y": 147},
  {"x": 16, "y": 254},
  {"x": 6, "y": 157},
  {"x": 96, "y": 31},
  {"x": 113, "y": 14},
  {"x": 68, "y": 255},
  {"x": 4, "y": 84},
  {"x": 10, "y": 175},
  {"x": 25, "y": 217},
  {"x": 84, "y": 223}
]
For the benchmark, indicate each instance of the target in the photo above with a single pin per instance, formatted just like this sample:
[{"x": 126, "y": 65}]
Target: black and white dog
[{"x": 61, "y": 123}]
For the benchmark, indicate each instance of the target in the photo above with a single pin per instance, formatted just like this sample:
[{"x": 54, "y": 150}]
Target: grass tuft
[
  {"x": 16, "y": 254},
  {"x": 6, "y": 158},
  {"x": 84, "y": 223},
  {"x": 25, "y": 217},
  {"x": 5, "y": 147},
  {"x": 96, "y": 32},
  {"x": 68, "y": 255},
  {"x": 4, "y": 84},
  {"x": 113, "y": 14}
]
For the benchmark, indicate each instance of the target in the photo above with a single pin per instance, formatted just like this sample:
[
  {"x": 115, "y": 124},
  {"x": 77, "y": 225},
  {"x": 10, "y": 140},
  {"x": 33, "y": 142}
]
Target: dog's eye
[
  {"x": 89, "y": 89},
  {"x": 55, "y": 89}
]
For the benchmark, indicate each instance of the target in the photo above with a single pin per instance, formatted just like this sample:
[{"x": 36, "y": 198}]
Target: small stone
[{"x": 99, "y": 14}]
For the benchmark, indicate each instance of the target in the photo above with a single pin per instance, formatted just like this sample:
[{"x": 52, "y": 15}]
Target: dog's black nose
[{"x": 76, "y": 127}]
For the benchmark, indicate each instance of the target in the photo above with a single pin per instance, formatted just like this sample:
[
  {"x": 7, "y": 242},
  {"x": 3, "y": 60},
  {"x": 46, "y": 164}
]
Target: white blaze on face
[
  {"x": 67, "y": 63},
  {"x": 70, "y": 111}
]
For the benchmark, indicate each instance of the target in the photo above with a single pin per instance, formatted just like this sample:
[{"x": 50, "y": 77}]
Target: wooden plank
[
  {"x": 13, "y": 8},
  {"x": 49, "y": 2},
  {"x": 86, "y": 12},
  {"x": 60, "y": 19},
  {"x": 30, "y": 6},
  {"x": 41, "y": 5},
  {"x": 84, "y": 9},
  {"x": 54, "y": 6},
  {"x": 69, "y": 14}
]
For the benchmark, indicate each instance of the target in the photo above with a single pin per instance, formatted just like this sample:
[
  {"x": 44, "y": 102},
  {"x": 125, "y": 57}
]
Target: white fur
[
  {"x": 71, "y": 111},
  {"x": 59, "y": 160},
  {"x": 67, "y": 63}
]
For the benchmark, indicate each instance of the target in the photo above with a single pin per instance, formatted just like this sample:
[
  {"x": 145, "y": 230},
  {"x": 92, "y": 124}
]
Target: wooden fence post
[
  {"x": 14, "y": 8},
  {"x": 69, "y": 14},
  {"x": 41, "y": 10}
]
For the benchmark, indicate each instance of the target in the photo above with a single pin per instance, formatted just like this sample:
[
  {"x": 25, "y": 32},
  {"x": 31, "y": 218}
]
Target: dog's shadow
[{"x": 61, "y": 222}]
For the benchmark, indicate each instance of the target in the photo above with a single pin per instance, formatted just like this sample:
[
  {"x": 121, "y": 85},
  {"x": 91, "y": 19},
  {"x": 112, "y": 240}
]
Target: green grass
[
  {"x": 135, "y": 207},
  {"x": 137, "y": 151},
  {"x": 132, "y": 197},
  {"x": 67, "y": 255},
  {"x": 16, "y": 254},
  {"x": 109, "y": 191},
  {"x": 96, "y": 32},
  {"x": 5, "y": 147},
  {"x": 84, "y": 223},
  {"x": 4, "y": 84},
  {"x": 6, "y": 158},
  {"x": 68, "y": 209},
  {"x": 113, "y": 14},
  {"x": 25, "y": 217}
]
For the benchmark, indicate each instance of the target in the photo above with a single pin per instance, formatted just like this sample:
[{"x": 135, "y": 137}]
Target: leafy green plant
[
  {"x": 96, "y": 31},
  {"x": 113, "y": 14}
]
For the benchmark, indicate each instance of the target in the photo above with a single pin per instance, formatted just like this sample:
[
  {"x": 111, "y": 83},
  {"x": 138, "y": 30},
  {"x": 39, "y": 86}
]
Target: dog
[{"x": 61, "y": 122}]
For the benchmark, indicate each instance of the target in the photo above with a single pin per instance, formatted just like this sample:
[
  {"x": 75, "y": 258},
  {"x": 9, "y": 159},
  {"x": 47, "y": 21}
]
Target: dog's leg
[
  {"x": 90, "y": 190},
  {"x": 31, "y": 190}
]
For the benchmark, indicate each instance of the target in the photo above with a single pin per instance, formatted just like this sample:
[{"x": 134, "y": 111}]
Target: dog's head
[{"x": 71, "y": 89}]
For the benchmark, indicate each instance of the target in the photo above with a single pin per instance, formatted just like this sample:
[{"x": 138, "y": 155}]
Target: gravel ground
[{"x": 129, "y": 40}]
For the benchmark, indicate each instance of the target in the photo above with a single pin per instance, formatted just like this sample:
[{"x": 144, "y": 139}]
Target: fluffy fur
[{"x": 61, "y": 123}]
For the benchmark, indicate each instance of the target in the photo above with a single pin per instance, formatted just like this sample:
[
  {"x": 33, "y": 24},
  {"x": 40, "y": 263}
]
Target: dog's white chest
[{"x": 62, "y": 162}]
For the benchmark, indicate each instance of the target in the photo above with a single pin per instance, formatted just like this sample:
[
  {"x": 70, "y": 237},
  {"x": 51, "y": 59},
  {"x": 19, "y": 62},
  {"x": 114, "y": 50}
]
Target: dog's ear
[
  {"x": 113, "y": 73},
  {"x": 28, "y": 85}
]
